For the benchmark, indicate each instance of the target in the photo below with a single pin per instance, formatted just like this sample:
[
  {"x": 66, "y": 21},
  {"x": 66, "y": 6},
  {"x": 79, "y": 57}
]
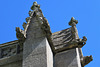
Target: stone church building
[{"x": 37, "y": 46}]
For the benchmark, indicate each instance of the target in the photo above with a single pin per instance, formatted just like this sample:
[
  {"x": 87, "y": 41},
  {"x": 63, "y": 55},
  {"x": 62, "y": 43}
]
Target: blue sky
[{"x": 58, "y": 13}]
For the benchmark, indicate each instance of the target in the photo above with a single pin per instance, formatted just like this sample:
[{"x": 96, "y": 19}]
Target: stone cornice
[
  {"x": 9, "y": 43},
  {"x": 11, "y": 59}
]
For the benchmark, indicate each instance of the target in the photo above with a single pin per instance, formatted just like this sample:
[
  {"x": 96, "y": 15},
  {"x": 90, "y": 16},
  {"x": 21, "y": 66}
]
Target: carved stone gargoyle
[
  {"x": 82, "y": 42},
  {"x": 77, "y": 43},
  {"x": 85, "y": 60},
  {"x": 20, "y": 34}
]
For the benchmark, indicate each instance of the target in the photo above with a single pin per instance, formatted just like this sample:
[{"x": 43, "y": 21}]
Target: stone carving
[
  {"x": 70, "y": 41},
  {"x": 46, "y": 26},
  {"x": 27, "y": 19},
  {"x": 84, "y": 39},
  {"x": 73, "y": 22},
  {"x": 47, "y": 31},
  {"x": 82, "y": 42},
  {"x": 21, "y": 36},
  {"x": 36, "y": 8},
  {"x": 77, "y": 42},
  {"x": 85, "y": 60},
  {"x": 24, "y": 25},
  {"x": 30, "y": 12}
]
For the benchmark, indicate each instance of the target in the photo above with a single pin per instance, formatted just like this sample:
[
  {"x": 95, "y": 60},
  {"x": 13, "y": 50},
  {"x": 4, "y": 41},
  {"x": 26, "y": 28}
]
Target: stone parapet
[{"x": 10, "y": 59}]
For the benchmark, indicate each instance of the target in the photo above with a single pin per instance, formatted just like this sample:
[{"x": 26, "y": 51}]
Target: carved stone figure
[
  {"x": 85, "y": 60},
  {"x": 82, "y": 42},
  {"x": 36, "y": 8},
  {"x": 84, "y": 39},
  {"x": 20, "y": 35}
]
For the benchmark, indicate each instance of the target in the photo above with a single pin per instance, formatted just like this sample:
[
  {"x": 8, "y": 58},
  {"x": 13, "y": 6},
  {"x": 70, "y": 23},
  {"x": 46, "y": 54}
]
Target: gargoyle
[
  {"x": 20, "y": 34},
  {"x": 77, "y": 43},
  {"x": 82, "y": 42},
  {"x": 85, "y": 60}
]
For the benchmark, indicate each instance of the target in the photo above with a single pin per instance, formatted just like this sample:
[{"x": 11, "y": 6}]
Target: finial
[
  {"x": 73, "y": 22},
  {"x": 35, "y": 5}
]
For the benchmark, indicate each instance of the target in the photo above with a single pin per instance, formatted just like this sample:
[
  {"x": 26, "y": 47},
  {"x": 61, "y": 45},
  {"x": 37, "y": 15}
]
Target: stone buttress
[{"x": 37, "y": 46}]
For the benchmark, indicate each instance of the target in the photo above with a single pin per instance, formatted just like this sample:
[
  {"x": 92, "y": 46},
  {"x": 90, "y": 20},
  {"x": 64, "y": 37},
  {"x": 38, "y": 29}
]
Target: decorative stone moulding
[{"x": 60, "y": 41}]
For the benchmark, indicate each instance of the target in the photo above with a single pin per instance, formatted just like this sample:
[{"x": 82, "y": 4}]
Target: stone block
[
  {"x": 37, "y": 53},
  {"x": 68, "y": 58}
]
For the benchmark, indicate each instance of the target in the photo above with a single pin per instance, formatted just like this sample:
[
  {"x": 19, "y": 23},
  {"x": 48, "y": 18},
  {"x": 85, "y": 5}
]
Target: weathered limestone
[
  {"x": 0, "y": 53},
  {"x": 68, "y": 58},
  {"x": 11, "y": 54},
  {"x": 11, "y": 61},
  {"x": 10, "y": 49},
  {"x": 76, "y": 42},
  {"x": 13, "y": 64},
  {"x": 21, "y": 35},
  {"x": 38, "y": 47},
  {"x": 73, "y": 23},
  {"x": 36, "y": 50},
  {"x": 37, "y": 53},
  {"x": 85, "y": 60},
  {"x": 69, "y": 55}
]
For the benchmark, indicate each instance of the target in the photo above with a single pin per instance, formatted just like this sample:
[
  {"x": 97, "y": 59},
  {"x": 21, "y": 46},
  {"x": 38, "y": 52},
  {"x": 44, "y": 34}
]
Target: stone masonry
[{"x": 37, "y": 46}]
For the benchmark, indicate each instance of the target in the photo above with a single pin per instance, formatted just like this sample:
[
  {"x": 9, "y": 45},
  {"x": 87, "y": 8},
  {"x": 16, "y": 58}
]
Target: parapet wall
[
  {"x": 14, "y": 64},
  {"x": 11, "y": 61},
  {"x": 11, "y": 54}
]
